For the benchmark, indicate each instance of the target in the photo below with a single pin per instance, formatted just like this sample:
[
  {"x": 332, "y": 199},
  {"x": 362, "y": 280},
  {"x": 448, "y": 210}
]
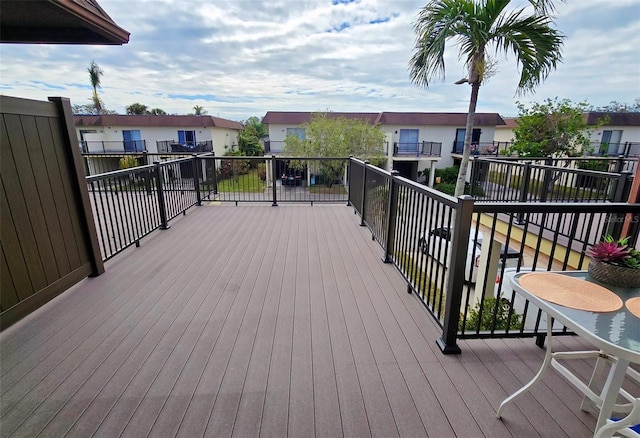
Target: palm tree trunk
[{"x": 464, "y": 164}]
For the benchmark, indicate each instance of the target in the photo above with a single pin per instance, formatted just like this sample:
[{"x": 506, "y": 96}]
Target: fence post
[
  {"x": 349, "y": 181},
  {"x": 619, "y": 164},
  {"x": 215, "y": 175},
  {"x": 364, "y": 192},
  {"x": 524, "y": 188},
  {"x": 392, "y": 210},
  {"x": 161, "y": 207},
  {"x": 196, "y": 179},
  {"x": 273, "y": 178},
  {"x": 615, "y": 221},
  {"x": 455, "y": 275}
]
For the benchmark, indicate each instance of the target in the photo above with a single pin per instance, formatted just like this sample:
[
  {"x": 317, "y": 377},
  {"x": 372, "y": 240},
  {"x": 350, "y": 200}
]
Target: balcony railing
[
  {"x": 483, "y": 148},
  {"x": 106, "y": 147},
  {"x": 130, "y": 203},
  {"x": 420, "y": 149},
  {"x": 468, "y": 295},
  {"x": 172, "y": 146}
]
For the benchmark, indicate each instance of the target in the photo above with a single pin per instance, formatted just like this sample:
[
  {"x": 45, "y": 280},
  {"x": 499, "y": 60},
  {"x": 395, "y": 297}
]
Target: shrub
[
  {"x": 128, "y": 161},
  {"x": 262, "y": 171},
  {"x": 485, "y": 322}
]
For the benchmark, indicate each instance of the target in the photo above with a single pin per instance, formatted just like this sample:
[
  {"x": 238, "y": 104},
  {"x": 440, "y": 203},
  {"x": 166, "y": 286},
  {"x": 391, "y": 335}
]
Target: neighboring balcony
[
  {"x": 110, "y": 147},
  {"x": 420, "y": 149},
  {"x": 483, "y": 148}
]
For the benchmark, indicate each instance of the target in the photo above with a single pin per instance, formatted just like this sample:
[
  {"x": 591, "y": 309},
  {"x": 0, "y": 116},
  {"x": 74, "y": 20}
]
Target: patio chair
[{"x": 628, "y": 426}]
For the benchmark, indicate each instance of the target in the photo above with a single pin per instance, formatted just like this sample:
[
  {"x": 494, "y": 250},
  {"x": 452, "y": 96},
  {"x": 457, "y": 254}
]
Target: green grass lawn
[{"x": 249, "y": 182}]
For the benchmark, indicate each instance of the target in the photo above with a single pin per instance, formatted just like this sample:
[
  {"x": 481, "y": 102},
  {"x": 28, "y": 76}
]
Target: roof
[
  {"x": 58, "y": 22},
  {"x": 510, "y": 122},
  {"x": 592, "y": 118},
  {"x": 156, "y": 121},
  {"x": 440, "y": 119},
  {"x": 298, "y": 118},
  {"x": 615, "y": 119},
  {"x": 388, "y": 118}
]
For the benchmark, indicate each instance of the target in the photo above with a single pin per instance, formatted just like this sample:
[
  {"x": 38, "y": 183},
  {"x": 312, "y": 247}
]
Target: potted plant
[{"x": 614, "y": 262}]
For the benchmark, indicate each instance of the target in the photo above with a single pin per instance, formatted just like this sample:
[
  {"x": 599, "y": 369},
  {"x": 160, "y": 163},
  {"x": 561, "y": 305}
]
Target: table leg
[
  {"x": 545, "y": 364},
  {"x": 611, "y": 390},
  {"x": 593, "y": 382}
]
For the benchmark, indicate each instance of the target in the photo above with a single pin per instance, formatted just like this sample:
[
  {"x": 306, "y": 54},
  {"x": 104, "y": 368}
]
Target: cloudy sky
[{"x": 242, "y": 58}]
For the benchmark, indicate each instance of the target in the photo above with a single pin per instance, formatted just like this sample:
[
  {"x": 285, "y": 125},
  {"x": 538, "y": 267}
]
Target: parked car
[
  {"x": 437, "y": 245},
  {"x": 291, "y": 179}
]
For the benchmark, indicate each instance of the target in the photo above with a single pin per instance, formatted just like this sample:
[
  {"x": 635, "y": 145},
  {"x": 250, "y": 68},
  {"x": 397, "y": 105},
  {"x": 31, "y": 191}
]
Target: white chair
[{"x": 628, "y": 426}]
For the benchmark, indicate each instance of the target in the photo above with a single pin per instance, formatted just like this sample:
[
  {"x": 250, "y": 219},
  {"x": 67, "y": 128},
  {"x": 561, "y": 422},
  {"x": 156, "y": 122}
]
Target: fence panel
[{"x": 125, "y": 207}]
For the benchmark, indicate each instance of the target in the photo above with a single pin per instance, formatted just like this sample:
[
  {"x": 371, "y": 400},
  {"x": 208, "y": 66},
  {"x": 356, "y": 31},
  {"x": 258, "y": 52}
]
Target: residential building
[
  {"x": 156, "y": 134},
  {"x": 619, "y": 135},
  {"x": 414, "y": 141}
]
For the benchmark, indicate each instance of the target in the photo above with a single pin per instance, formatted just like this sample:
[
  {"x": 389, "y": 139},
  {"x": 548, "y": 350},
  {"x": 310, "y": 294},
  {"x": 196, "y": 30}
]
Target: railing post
[
  {"x": 215, "y": 175},
  {"x": 524, "y": 188},
  {"x": 615, "y": 221},
  {"x": 196, "y": 179},
  {"x": 364, "y": 192},
  {"x": 161, "y": 207},
  {"x": 273, "y": 177},
  {"x": 547, "y": 179},
  {"x": 619, "y": 164},
  {"x": 392, "y": 210},
  {"x": 349, "y": 174},
  {"x": 455, "y": 275}
]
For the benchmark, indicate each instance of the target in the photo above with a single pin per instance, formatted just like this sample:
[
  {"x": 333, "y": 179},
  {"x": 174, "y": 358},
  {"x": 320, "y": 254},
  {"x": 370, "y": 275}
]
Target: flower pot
[{"x": 614, "y": 275}]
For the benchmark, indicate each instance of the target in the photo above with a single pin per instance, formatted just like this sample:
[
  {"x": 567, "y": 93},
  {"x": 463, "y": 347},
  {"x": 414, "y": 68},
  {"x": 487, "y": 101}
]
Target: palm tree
[
  {"x": 95, "y": 72},
  {"x": 479, "y": 27},
  {"x": 199, "y": 110}
]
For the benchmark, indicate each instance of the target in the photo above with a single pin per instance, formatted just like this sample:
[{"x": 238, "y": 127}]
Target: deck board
[{"x": 260, "y": 321}]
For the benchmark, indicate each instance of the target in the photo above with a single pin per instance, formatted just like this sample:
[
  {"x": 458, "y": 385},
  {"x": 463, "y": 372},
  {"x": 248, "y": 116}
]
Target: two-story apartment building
[
  {"x": 156, "y": 134},
  {"x": 619, "y": 135},
  {"x": 414, "y": 140}
]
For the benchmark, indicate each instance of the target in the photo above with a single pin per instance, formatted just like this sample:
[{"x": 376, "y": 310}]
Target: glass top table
[{"x": 615, "y": 334}]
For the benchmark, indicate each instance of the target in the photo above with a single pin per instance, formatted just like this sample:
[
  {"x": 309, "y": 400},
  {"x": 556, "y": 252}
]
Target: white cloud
[{"x": 243, "y": 58}]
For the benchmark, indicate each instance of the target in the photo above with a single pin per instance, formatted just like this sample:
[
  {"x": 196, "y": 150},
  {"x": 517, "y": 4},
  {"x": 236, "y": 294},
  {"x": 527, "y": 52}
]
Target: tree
[
  {"x": 255, "y": 123},
  {"x": 479, "y": 27},
  {"x": 618, "y": 107},
  {"x": 327, "y": 136},
  {"x": 137, "y": 108},
  {"x": 89, "y": 108},
  {"x": 199, "y": 111},
  {"x": 249, "y": 142},
  {"x": 157, "y": 112},
  {"x": 554, "y": 127},
  {"x": 95, "y": 73}
]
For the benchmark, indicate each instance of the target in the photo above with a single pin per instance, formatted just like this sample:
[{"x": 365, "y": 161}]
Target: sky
[{"x": 242, "y": 58}]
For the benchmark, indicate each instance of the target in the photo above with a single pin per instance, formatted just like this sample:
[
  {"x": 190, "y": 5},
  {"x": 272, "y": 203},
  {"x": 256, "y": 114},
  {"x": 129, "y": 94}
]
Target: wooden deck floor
[{"x": 260, "y": 321}]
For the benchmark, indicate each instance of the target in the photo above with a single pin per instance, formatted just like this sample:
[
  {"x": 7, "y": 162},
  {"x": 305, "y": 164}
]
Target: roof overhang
[{"x": 58, "y": 22}]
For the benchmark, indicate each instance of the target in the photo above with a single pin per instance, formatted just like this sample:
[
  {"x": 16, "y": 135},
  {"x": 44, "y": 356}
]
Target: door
[
  {"x": 458, "y": 144},
  {"x": 408, "y": 142},
  {"x": 132, "y": 140}
]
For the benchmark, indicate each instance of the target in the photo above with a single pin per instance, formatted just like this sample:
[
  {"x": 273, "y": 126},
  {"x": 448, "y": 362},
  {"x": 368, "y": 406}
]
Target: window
[
  {"x": 187, "y": 138},
  {"x": 408, "y": 141},
  {"x": 458, "y": 144},
  {"x": 132, "y": 140},
  {"x": 297, "y": 132},
  {"x": 610, "y": 143}
]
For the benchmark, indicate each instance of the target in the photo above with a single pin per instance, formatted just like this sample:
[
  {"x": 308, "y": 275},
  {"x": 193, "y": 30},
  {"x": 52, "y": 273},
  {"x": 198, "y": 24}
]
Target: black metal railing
[
  {"x": 483, "y": 148},
  {"x": 172, "y": 146},
  {"x": 130, "y": 203},
  {"x": 527, "y": 181},
  {"x": 107, "y": 147},
  {"x": 457, "y": 255},
  {"x": 424, "y": 148}
]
